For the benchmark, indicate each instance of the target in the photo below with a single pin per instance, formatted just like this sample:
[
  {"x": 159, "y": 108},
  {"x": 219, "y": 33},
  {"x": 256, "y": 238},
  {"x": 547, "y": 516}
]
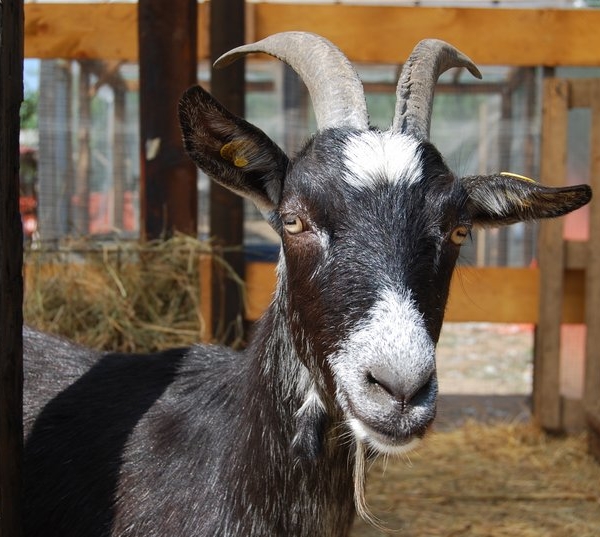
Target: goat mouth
[{"x": 381, "y": 443}]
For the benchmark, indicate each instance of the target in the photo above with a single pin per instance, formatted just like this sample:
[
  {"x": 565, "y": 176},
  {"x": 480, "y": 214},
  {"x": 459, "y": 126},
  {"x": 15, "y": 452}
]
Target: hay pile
[
  {"x": 488, "y": 481},
  {"x": 128, "y": 296}
]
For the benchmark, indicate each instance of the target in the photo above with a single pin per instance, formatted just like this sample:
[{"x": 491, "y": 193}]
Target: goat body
[
  {"x": 192, "y": 441},
  {"x": 203, "y": 441}
]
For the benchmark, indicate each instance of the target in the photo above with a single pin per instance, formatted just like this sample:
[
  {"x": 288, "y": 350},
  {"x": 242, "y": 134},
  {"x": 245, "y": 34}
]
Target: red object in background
[
  {"x": 28, "y": 208},
  {"x": 28, "y": 190}
]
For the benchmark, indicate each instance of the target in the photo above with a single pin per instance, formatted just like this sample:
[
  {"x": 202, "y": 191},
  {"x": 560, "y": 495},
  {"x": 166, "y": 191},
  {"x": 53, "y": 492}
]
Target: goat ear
[
  {"x": 232, "y": 151},
  {"x": 496, "y": 200}
]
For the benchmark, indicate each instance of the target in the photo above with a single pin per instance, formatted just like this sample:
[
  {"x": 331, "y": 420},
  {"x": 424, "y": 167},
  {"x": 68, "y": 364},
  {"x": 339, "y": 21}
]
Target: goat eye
[
  {"x": 293, "y": 224},
  {"x": 459, "y": 234}
]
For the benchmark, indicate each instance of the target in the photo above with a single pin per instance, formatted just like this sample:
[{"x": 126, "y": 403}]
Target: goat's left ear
[
  {"x": 495, "y": 200},
  {"x": 232, "y": 151}
]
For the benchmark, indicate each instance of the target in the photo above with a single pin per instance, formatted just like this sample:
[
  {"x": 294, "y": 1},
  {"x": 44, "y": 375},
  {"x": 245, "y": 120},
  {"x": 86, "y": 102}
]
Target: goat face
[
  {"x": 369, "y": 247},
  {"x": 371, "y": 225}
]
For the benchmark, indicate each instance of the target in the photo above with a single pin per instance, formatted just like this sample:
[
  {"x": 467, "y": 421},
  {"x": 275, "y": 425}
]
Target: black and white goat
[{"x": 203, "y": 441}]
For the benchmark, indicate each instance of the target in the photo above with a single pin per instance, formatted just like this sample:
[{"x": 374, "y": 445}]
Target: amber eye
[
  {"x": 459, "y": 234},
  {"x": 293, "y": 225}
]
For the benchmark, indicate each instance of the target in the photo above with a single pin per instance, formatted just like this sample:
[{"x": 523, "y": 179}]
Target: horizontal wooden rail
[
  {"x": 499, "y": 295},
  {"x": 366, "y": 33},
  {"x": 490, "y": 294}
]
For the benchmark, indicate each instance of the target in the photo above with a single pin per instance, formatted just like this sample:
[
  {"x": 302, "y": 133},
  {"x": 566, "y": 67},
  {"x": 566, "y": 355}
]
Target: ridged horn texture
[
  {"x": 336, "y": 91},
  {"x": 414, "y": 93}
]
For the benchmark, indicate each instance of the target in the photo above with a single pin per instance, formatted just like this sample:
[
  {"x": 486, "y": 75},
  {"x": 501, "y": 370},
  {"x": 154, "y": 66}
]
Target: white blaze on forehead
[{"x": 374, "y": 157}]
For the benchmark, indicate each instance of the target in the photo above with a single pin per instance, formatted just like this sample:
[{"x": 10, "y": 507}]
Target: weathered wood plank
[
  {"x": 168, "y": 66},
  {"x": 101, "y": 31},
  {"x": 11, "y": 281},
  {"x": 206, "y": 296},
  {"x": 226, "y": 221},
  {"x": 546, "y": 386},
  {"x": 366, "y": 33},
  {"x": 488, "y": 35},
  {"x": 591, "y": 397},
  {"x": 490, "y": 294}
]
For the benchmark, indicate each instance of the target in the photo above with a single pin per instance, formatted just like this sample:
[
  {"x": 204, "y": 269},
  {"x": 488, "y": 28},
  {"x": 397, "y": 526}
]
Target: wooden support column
[
  {"x": 11, "y": 264},
  {"x": 227, "y": 27},
  {"x": 504, "y": 149},
  {"x": 168, "y": 65},
  {"x": 81, "y": 213},
  {"x": 546, "y": 389},
  {"x": 119, "y": 154},
  {"x": 591, "y": 395}
]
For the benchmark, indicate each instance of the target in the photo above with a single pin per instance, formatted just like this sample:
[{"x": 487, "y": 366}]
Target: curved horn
[
  {"x": 336, "y": 91},
  {"x": 414, "y": 93}
]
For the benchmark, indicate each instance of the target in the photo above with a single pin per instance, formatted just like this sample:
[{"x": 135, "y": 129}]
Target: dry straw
[
  {"x": 127, "y": 296},
  {"x": 488, "y": 481}
]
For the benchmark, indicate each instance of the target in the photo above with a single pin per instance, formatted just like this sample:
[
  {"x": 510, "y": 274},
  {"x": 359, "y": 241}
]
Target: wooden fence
[{"x": 558, "y": 257}]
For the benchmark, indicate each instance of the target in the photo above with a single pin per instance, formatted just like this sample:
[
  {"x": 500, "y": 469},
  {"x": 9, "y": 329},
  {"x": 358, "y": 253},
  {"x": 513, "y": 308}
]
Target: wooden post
[
  {"x": 504, "y": 149},
  {"x": 119, "y": 153},
  {"x": 227, "y": 209},
  {"x": 168, "y": 64},
  {"x": 546, "y": 389},
  {"x": 591, "y": 394},
  {"x": 11, "y": 264},
  {"x": 84, "y": 151},
  {"x": 56, "y": 180},
  {"x": 529, "y": 149}
]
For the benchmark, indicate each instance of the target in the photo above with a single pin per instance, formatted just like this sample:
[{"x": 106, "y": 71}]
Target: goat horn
[
  {"x": 333, "y": 84},
  {"x": 414, "y": 93}
]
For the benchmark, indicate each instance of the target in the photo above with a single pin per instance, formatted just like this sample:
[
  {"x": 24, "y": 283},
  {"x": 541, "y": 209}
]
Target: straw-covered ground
[{"x": 487, "y": 481}]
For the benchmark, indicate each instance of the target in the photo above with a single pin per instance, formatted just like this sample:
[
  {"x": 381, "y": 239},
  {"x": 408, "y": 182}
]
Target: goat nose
[{"x": 402, "y": 388}]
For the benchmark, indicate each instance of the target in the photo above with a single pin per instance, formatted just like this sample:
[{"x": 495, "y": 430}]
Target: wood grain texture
[
  {"x": 11, "y": 280},
  {"x": 591, "y": 396},
  {"x": 384, "y": 34},
  {"x": 551, "y": 257},
  {"x": 490, "y": 294}
]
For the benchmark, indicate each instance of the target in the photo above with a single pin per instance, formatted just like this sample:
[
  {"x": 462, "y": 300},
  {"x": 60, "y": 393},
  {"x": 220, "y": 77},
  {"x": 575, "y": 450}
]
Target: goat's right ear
[{"x": 232, "y": 151}]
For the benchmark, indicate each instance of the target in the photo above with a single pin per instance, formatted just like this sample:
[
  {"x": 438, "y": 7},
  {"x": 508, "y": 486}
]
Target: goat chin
[{"x": 379, "y": 444}]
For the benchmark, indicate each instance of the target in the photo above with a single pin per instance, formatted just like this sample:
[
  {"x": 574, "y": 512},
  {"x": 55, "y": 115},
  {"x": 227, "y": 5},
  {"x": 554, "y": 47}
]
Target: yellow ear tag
[
  {"x": 234, "y": 152},
  {"x": 517, "y": 176}
]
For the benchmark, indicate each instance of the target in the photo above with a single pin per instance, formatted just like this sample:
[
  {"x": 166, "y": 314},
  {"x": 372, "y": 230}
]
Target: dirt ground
[{"x": 485, "y": 373}]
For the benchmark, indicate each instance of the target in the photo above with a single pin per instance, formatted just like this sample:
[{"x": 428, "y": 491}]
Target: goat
[{"x": 203, "y": 441}]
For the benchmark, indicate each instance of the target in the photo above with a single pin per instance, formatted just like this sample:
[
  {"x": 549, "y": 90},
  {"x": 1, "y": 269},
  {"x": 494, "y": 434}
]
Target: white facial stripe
[
  {"x": 393, "y": 327},
  {"x": 393, "y": 337},
  {"x": 374, "y": 157}
]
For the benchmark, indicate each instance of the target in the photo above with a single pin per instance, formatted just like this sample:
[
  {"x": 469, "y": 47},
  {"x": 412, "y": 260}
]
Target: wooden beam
[
  {"x": 591, "y": 400},
  {"x": 11, "y": 264},
  {"x": 551, "y": 257},
  {"x": 168, "y": 65},
  {"x": 385, "y": 34},
  {"x": 491, "y": 294},
  {"x": 226, "y": 208},
  {"x": 107, "y": 31}
]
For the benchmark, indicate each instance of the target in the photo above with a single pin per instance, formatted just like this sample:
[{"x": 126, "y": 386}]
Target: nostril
[
  {"x": 371, "y": 379},
  {"x": 425, "y": 391},
  {"x": 401, "y": 390}
]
